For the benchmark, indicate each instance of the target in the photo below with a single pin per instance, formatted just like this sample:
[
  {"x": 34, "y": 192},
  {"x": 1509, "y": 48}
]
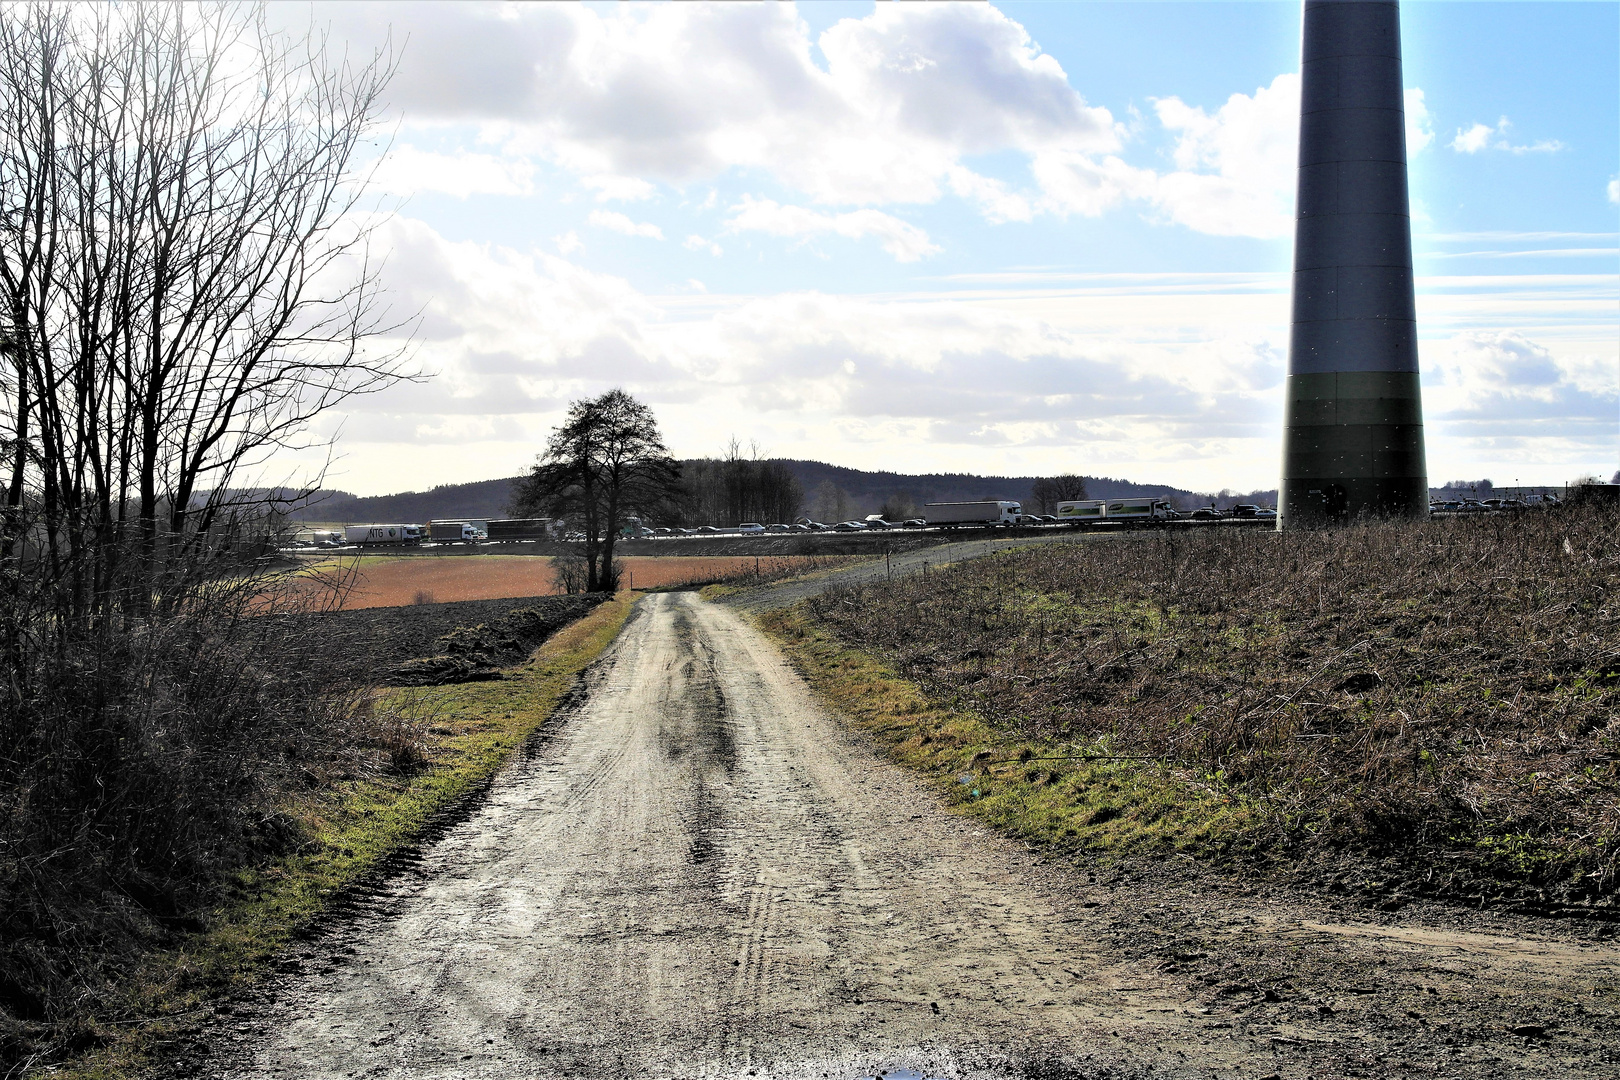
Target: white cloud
[
  {"x": 568, "y": 243},
  {"x": 407, "y": 170},
  {"x": 1477, "y": 137},
  {"x": 617, "y": 222},
  {"x": 1497, "y": 394},
  {"x": 901, "y": 239},
  {"x": 1472, "y": 140},
  {"x": 996, "y": 203},
  {"x": 698, "y": 243},
  {"x": 1614, "y": 191},
  {"x": 1234, "y": 170},
  {"x": 1419, "y": 126},
  {"x": 684, "y": 92},
  {"x": 619, "y": 188}
]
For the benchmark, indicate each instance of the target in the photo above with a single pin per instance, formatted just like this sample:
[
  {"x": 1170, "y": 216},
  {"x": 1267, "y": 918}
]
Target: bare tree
[
  {"x": 605, "y": 463},
  {"x": 183, "y": 274},
  {"x": 899, "y": 507},
  {"x": 831, "y": 502},
  {"x": 184, "y": 286},
  {"x": 1048, "y": 491}
]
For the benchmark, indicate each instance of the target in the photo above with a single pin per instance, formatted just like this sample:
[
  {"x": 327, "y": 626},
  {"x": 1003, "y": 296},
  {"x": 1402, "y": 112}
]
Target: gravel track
[
  {"x": 917, "y": 561},
  {"x": 699, "y": 873}
]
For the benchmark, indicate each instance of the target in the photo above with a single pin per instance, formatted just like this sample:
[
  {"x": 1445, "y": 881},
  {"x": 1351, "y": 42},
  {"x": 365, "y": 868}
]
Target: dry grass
[{"x": 1445, "y": 691}]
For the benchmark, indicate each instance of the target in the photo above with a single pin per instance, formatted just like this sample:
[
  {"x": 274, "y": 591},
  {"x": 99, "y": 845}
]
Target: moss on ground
[
  {"x": 351, "y": 831},
  {"x": 1075, "y": 797}
]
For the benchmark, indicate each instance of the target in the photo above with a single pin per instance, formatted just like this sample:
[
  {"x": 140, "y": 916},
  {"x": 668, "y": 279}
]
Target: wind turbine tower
[{"x": 1353, "y": 435}]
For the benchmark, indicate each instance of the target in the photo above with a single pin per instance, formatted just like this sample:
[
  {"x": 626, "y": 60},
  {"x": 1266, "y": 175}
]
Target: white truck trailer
[
  {"x": 383, "y": 535},
  {"x": 455, "y": 532},
  {"x": 1082, "y": 510},
  {"x": 1137, "y": 508},
  {"x": 974, "y": 513}
]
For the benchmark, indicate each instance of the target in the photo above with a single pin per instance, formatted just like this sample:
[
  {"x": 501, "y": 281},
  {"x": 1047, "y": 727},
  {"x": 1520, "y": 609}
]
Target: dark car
[
  {"x": 850, "y": 526},
  {"x": 914, "y": 523},
  {"x": 1205, "y": 513}
]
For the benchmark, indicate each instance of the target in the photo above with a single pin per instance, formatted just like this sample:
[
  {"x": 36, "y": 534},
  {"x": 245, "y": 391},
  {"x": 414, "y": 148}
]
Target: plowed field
[{"x": 393, "y": 581}]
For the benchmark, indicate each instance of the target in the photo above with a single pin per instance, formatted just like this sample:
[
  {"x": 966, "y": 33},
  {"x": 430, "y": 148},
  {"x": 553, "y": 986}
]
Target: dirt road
[{"x": 700, "y": 874}]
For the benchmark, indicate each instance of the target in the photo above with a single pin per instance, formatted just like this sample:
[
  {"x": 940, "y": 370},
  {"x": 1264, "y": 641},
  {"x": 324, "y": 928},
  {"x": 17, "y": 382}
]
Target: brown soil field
[{"x": 395, "y": 581}]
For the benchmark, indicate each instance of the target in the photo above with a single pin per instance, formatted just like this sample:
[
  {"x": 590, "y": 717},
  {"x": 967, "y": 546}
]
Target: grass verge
[
  {"x": 1079, "y": 798},
  {"x": 1389, "y": 709},
  {"x": 352, "y": 830}
]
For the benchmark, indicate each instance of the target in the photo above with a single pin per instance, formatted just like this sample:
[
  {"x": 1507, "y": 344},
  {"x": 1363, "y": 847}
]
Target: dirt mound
[
  {"x": 369, "y": 646},
  {"x": 473, "y": 653}
]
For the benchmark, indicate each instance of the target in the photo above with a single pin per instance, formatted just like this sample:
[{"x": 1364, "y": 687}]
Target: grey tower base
[{"x": 1353, "y": 445}]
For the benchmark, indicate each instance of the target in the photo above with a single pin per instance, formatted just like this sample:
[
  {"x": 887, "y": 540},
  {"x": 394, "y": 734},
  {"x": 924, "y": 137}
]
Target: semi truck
[
  {"x": 455, "y": 532},
  {"x": 988, "y": 512},
  {"x": 521, "y": 529},
  {"x": 383, "y": 535},
  {"x": 1082, "y": 510},
  {"x": 1140, "y": 508}
]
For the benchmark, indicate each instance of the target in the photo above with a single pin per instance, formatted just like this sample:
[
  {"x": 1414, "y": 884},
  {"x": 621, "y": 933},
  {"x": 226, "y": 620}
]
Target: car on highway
[
  {"x": 1206, "y": 513},
  {"x": 914, "y": 523},
  {"x": 706, "y": 530},
  {"x": 778, "y": 528},
  {"x": 850, "y": 526},
  {"x": 750, "y": 527}
]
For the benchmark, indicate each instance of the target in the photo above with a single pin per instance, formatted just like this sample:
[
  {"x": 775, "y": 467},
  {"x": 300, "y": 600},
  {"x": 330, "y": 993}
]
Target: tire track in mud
[{"x": 698, "y": 873}]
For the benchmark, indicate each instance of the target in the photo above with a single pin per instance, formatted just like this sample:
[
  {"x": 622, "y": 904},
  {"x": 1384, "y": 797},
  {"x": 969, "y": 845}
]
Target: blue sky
[{"x": 1016, "y": 238}]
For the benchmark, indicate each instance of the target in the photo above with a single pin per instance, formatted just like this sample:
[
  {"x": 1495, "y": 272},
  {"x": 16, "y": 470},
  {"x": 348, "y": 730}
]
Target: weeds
[{"x": 1392, "y": 688}]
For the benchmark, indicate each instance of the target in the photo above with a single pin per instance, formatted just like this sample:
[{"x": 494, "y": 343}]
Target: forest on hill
[{"x": 824, "y": 489}]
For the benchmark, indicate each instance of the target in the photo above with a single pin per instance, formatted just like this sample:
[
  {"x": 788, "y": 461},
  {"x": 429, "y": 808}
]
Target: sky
[{"x": 1013, "y": 239}]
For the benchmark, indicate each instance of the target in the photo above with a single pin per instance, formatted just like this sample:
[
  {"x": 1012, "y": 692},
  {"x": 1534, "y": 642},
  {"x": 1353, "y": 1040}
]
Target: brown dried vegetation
[{"x": 1448, "y": 690}]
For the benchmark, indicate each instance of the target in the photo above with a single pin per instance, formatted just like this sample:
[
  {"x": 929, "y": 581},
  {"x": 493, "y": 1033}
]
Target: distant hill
[
  {"x": 481, "y": 499},
  {"x": 869, "y": 490},
  {"x": 866, "y": 491}
]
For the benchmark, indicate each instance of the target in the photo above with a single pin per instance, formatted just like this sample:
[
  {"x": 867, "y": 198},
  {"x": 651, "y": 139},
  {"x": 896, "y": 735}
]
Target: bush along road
[
  {"x": 709, "y": 867},
  {"x": 422, "y": 759}
]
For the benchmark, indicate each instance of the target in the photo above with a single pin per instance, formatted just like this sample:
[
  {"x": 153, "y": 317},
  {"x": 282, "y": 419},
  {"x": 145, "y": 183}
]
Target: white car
[{"x": 750, "y": 527}]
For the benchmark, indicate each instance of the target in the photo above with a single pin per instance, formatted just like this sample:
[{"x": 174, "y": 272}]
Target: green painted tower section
[{"x": 1353, "y": 434}]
